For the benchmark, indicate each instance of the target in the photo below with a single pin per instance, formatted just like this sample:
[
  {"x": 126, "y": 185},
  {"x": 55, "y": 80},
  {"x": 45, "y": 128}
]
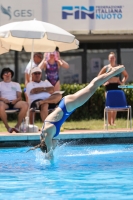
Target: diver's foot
[
  {"x": 119, "y": 68},
  {"x": 116, "y": 70}
]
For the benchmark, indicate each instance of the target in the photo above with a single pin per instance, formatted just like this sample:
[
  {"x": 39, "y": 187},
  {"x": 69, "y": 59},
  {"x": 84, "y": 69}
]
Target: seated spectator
[
  {"x": 10, "y": 97},
  {"x": 40, "y": 94}
]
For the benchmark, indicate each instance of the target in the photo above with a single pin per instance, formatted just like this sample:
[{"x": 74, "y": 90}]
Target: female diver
[{"x": 66, "y": 107}]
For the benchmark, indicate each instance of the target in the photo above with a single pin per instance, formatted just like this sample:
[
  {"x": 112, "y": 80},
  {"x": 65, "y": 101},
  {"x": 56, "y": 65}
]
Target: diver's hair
[
  {"x": 112, "y": 53},
  {"x": 42, "y": 146}
]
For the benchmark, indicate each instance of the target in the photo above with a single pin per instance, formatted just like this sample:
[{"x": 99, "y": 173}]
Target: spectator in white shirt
[
  {"x": 37, "y": 58},
  {"x": 40, "y": 94},
  {"x": 10, "y": 97}
]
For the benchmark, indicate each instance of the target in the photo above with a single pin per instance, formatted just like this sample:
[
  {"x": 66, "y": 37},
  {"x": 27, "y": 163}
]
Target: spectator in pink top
[{"x": 51, "y": 64}]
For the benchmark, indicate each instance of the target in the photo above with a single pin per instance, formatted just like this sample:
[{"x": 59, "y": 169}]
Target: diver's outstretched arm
[
  {"x": 79, "y": 98},
  {"x": 33, "y": 148}
]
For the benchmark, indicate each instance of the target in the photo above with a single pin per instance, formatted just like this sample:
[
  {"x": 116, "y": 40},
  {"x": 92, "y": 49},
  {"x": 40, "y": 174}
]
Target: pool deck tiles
[{"x": 71, "y": 134}]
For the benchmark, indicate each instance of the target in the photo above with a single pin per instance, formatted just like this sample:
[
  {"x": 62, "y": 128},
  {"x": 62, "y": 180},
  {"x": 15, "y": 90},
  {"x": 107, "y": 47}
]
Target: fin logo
[
  {"x": 6, "y": 11},
  {"x": 78, "y": 12}
]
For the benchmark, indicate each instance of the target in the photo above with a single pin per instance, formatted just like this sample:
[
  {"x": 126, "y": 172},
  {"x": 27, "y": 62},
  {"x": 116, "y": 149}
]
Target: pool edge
[{"x": 80, "y": 136}]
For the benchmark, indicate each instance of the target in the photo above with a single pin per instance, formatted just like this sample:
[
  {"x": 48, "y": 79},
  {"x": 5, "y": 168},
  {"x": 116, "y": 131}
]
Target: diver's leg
[
  {"x": 79, "y": 98},
  {"x": 48, "y": 141}
]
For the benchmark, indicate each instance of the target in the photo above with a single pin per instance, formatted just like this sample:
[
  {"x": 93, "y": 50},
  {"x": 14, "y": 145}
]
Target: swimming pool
[{"x": 77, "y": 172}]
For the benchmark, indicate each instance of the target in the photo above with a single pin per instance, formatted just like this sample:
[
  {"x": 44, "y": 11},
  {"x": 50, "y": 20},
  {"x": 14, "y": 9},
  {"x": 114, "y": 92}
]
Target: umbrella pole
[
  {"x": 28, "y": 112},
  {"x": 32, "y": 57}
]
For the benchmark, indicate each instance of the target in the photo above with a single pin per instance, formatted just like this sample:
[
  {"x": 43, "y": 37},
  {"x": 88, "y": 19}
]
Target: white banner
[
  {"x": 13, "y": 10},
  {"x": 92, "y": 15},
  {"x": 76, "y": 16}
]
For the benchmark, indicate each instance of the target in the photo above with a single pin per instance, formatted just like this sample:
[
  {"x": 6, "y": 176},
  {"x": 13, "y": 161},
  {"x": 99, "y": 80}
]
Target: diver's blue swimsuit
[{"x": 64, "y": 117}]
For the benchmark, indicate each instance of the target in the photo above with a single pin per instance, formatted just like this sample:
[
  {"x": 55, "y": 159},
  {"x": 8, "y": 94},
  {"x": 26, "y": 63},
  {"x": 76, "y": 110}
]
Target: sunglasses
[{"x": 37, "y": 73}]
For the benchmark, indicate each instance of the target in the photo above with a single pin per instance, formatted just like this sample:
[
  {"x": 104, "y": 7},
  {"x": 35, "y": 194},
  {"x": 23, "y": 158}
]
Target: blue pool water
[{"x": 77, "y": 172}]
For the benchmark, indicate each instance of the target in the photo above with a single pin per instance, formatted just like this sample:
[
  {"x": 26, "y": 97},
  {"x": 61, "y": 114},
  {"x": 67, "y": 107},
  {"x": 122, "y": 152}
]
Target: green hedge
[{"x": 94, "y": 107}]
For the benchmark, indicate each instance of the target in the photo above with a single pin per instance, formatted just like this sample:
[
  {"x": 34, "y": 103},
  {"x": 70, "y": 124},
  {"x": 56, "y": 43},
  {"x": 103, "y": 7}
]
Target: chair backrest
[{"x": 116, "y": 98}]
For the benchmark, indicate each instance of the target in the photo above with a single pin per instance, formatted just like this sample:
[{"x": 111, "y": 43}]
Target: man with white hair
[
  {"x": 37, "y": 58},
  {"x": 40, "y": 94}
]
